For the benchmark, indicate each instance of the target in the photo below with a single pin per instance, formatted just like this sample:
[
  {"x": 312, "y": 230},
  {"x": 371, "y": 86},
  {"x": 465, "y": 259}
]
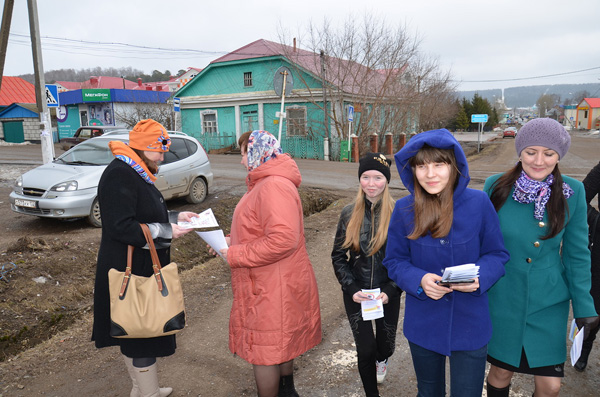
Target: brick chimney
[
  {"x": 139, "y": 81},
  {"x": 294, "y": 44},
  {"x": 158, "y": 87},
  {"x": 94, "y": 81},
  {"x": 148, "y": 88}
]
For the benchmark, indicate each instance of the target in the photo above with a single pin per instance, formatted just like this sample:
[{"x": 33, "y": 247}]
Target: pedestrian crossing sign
[{"x": 52, "y": 95}]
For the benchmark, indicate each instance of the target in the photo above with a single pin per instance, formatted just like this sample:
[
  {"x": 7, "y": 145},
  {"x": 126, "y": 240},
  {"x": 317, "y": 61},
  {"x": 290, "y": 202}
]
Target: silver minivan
[{"x": 68, "y": 186}]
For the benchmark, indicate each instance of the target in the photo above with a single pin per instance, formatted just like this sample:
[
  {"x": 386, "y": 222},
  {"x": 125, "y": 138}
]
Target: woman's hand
[
  {"x": 432, "y": 289},
  {"x": 223, "y": 251},
  {"x": 384, "y": 298},
  {"x": 361, "y": 297},
  {"x": 186, "y": 216},
  {"x": 472, "y": 287},
  {"x": 179, "y": 231}
]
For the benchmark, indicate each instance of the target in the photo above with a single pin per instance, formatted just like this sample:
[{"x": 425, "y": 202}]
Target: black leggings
[{"x": 373, "y": 346}]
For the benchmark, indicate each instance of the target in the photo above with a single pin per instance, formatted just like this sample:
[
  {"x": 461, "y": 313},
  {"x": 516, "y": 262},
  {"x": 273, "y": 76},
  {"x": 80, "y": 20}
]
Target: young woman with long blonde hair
[{"x": 358, "y": 252}]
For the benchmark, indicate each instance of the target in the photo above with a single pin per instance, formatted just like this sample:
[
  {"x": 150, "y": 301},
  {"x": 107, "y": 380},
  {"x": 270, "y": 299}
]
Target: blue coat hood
[{"x": 441, "y": 139}]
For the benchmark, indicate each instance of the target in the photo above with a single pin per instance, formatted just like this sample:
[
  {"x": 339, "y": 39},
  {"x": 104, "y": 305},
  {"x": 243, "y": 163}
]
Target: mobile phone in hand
[{"x": 449, "y": 283}]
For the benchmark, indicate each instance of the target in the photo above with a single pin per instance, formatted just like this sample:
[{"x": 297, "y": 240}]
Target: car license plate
[{"x": 25, "y": 203}]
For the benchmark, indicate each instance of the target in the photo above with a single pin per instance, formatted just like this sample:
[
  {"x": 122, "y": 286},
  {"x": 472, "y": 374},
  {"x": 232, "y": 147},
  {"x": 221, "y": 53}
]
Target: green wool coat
[{"x": 529, "y": 306}]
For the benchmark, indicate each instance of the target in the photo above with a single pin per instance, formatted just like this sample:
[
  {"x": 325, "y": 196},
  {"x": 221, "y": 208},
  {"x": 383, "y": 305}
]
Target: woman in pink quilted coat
[{"x": 275, "y": 315}]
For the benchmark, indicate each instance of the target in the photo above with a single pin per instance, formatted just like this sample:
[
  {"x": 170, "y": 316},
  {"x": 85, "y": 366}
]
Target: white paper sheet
[
  {"x": 577, "y": 337},
  {"x": 215, "y": 238},
  {"x": 373, "y": 309},
  {"x": 204, "y": 219}
]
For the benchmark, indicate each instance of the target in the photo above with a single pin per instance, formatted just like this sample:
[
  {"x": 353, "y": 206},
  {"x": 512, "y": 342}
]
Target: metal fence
[
  {"x": 215, "y": 142},
  {"x": 301, "y": 147}
]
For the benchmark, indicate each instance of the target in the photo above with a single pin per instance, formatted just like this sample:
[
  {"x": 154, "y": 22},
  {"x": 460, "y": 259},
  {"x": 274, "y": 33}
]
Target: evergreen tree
[{"x": 462, "y": 121}]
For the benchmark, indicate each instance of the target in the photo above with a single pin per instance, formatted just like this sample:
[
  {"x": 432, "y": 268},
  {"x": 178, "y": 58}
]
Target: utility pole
[
  {"x": 6, "y": 20},
  {"x": 40, "y": 84}
]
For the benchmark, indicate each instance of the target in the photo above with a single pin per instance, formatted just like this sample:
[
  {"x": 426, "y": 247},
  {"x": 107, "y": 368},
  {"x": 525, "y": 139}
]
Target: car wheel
[
  {"x": 94, "y": 218},
  {"x": 198, "y": 191}
]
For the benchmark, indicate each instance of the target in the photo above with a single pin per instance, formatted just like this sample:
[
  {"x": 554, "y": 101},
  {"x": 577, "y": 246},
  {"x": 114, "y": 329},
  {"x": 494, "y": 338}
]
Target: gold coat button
[
  {"x": 536, "y": 244},
  {"x": 528, "y": 260},
  {"x": 541, "y": 224}
]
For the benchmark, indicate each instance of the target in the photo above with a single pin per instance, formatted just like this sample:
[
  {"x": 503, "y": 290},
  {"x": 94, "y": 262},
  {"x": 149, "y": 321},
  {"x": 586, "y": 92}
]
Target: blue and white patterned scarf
[
  {"x": 529, "y": 190},
  {"x": 138, "y": 168}
]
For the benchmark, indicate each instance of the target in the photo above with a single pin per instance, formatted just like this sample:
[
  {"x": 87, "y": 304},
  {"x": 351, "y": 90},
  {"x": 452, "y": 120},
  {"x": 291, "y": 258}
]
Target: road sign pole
[
  {"x": 479, "y": 137},
  {"x": 281, "y": 114},
  {"x": 350, "y": 120},
  {"x": 350, "y": 142}
]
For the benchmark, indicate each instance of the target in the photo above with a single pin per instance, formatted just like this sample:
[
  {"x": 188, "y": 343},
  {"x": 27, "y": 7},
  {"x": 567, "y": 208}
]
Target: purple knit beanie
[{"x": 543, "y": 132}]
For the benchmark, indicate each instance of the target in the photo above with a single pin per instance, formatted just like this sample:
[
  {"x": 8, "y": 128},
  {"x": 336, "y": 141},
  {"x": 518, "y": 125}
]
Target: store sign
[{"x": 96, "y": 95}]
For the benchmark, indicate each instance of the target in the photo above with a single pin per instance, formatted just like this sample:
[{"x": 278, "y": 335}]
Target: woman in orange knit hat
[{"x": 128, "y": 197}]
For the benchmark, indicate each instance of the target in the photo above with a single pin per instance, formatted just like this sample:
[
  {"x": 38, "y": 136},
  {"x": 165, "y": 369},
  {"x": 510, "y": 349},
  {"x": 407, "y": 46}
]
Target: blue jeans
[{"x": 467, "y": 372}]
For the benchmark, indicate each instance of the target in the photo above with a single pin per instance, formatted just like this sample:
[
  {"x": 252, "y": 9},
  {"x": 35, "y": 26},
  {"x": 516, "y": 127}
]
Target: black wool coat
[
  {"x": 592, "y": 189},
  {"x": 126, "y": 200}
]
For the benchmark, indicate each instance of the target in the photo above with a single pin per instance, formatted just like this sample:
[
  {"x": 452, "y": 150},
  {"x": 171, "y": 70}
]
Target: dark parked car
[{"x": 84, "y": 133}]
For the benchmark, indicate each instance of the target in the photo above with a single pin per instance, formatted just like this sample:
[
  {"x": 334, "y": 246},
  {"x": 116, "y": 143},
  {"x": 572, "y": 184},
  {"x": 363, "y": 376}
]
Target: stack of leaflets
[
  {"x": 460, "y": 274},
  {"x": 372, "y": 309},
  {"x": 204, "y": 219}
]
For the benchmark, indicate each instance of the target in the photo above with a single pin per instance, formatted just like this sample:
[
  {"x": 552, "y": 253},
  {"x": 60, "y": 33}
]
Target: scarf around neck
[
  {"x": 126, "y": 154},
  {"x": 529, "y": 190}
]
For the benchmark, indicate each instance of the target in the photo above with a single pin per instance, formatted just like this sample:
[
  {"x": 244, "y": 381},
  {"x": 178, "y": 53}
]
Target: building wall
[
  {"x": 31, "y": 129},
  {"x": 229, "y": 79}
]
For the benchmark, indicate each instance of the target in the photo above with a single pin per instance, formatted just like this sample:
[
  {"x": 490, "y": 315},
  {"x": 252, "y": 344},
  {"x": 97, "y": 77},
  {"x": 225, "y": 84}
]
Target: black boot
[
  {"x": 495, "y": 392},
  {"x": 583, "y": 359},
  {"x": 286, "y": 387}
]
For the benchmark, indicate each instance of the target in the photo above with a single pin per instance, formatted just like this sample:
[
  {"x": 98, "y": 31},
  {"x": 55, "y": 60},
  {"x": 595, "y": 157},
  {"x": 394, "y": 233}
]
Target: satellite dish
[{"x": 278, "y": 81}]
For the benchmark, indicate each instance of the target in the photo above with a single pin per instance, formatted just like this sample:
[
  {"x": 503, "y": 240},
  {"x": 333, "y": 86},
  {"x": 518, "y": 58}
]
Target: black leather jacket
[{"x": 357, "y": 270}]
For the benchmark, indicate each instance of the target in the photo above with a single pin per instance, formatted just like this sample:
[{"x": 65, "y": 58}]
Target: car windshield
[{"x": 90, "y": 152}]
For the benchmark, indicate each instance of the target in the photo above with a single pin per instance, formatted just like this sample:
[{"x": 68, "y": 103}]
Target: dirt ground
[{"x": 46, "y": 302}]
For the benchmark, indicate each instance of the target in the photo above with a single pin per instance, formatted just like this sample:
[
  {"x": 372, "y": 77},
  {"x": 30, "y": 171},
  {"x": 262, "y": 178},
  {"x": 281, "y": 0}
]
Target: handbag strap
[
  {"x": 127, "y": 274},
  {"x": 155, "y": 261}
]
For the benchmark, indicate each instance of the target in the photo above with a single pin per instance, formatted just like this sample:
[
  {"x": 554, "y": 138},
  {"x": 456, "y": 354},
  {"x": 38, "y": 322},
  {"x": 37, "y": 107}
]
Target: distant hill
[{"x": 522, "y": 97}]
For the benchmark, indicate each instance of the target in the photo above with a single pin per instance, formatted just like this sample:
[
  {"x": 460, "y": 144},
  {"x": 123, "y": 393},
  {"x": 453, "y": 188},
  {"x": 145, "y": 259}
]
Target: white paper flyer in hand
[
  {"x": 575, "y": 335},
  {"x": 454, "y": 274},
  {"x": 373, "y": 309},
  {"x": 204, "y": 219},
  {"x": 215, "y": 238}
]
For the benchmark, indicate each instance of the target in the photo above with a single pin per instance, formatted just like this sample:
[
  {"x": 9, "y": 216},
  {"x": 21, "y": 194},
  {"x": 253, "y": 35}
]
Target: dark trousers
[
  {"x": 467, "y": 370},
  {"x": 370, "y": 345}
]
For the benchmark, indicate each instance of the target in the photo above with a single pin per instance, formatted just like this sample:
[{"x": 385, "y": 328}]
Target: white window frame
[
  {"x": 209, "y": 128},
  {"x": 291, "y": 128}
]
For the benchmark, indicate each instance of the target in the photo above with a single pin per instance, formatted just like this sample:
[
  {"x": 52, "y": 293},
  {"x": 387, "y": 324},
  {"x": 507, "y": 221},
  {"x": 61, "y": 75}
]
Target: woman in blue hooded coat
[{"x": 443, "y": 223}]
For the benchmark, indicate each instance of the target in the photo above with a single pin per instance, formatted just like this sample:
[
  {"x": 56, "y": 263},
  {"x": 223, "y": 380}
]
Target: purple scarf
[{"x": 529, "y": 190}]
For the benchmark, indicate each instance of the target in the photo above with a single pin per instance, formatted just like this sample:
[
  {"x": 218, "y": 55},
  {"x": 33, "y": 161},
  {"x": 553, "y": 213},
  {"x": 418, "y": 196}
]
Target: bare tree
[
  {"x": 546, "y": 102},
  {"x": 433, "y": 90},
  {"x": 360, "y": 64},
  {"x": 161, "y": 112}
]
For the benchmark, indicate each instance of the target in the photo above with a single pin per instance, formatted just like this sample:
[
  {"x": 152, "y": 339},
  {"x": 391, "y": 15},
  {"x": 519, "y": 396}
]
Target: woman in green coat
[{"x": 540, "y": 211}]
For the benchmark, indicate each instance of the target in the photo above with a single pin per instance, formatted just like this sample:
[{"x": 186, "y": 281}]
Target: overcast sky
[{"x": 510, "y": 42}]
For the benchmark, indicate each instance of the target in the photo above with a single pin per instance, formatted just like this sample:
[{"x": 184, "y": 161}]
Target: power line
[
  {"x": 529, "y": 78},
  {"x": 126, "y": 50}
]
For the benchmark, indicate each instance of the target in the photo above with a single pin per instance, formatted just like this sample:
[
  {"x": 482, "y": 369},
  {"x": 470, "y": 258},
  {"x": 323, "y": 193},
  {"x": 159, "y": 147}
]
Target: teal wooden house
[{"x": 240, "y": 92}]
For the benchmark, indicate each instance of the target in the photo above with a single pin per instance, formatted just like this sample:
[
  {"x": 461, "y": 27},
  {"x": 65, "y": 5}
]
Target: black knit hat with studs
[{"x": 377, "y": 162}]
